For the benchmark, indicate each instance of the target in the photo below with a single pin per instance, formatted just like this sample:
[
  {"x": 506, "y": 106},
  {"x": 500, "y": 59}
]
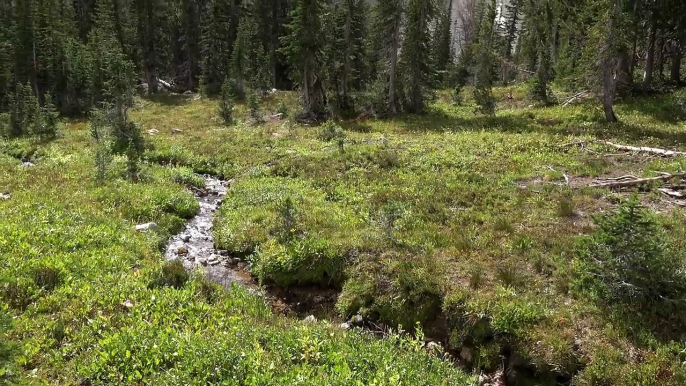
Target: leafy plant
[
  {"x": 331, "y": 131},
  {"x": 227, "y": 103},
  {"x": 173, "y": 274}
]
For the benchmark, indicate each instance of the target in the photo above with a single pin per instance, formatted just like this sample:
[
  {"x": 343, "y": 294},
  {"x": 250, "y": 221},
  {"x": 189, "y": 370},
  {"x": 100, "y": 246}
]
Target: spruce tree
[
  {"x": 388, "y": 27},
  {"x": 442, "y": 45},
  {"x": 539, "y": 22},
  {"x": 250, "y": 61},
  {"x": 346, "y": 51},
  {"x": 226, "y": 103},
  {"x": 485, "y": 62},
  {"x": 417, "y": 65},
  {"x": 302, "y": 47},
  {"x": 218, "y": 35}
]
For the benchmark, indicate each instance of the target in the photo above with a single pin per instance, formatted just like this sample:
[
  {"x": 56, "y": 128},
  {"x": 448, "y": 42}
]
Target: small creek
[{"x": 194, "y": 246}]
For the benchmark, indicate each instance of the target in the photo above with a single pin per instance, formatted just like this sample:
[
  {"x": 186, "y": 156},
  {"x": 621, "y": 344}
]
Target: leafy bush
[
  {"x": 394, "y": 288},
  {"x": 627, "y": 261},
  {"x": 173, "y": 274},
  {"x": 19, "y": 293}
]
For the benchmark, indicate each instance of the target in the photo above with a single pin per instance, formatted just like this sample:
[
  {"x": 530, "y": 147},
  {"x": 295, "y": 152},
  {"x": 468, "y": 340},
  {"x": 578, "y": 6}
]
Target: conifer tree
[
  {"x": 250, "y": 61},
  {"x": 226, "y": 103},
  {"x": 417, "y": 66},
  {"x": 485, "y": 62},
  {"x": 302, "y": 47},
  {"x": 218, "y": 35},
  {"x": 442, "y": 45},
  {"x": 346, "y": 51},
  {"x": 388, "y": 28},
  {"x": 539, "y": 22}
]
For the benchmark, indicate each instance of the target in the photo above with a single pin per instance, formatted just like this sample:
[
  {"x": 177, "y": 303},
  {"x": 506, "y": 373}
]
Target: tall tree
[
  {"x": 485, "y": 61},
  {"x": 249, "y": 59},
  {"x": 388, "y": 27},
  {"x": 218, "y": 36},
  {"x": 302, "y": 47},
  {"x": 417, "y": 65}
]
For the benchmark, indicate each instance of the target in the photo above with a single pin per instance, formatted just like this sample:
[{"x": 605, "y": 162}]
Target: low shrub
[
  {"x": 394, "y": 288},
  {"x": 19, "y": 293},
  {"x": 331, "y": 131}
]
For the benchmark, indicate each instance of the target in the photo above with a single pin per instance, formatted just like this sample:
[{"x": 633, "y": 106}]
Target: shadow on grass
[
  {"x": 170, "y": 99},
  {"x": 662, "y": 108}
]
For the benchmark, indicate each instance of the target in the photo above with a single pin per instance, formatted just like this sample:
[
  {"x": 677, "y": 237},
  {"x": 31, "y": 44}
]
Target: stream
[{"x": 194, "y": 246}]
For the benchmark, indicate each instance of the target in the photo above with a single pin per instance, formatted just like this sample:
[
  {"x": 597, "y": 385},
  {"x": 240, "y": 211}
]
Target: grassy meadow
[{"x": 462, "y": 224}]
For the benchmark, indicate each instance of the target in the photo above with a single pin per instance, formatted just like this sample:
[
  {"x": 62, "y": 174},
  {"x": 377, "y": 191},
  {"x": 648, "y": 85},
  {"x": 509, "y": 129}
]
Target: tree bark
[
  {"x": 675, "y": 73},
  {"x": 650, "y": 57},
  {"x": 394, "y": 64}
]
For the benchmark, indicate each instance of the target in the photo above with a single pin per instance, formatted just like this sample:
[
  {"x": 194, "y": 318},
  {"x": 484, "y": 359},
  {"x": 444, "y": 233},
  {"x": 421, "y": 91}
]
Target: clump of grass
[
  {"x": 510, "y": 273},
  {"x": 173, "y": 274},
  {"x": 476, "y": 276},
  {"x": 47, "y": 278},
  {"x": 394, "y": 288},
  {"x": 566, "y": 207},
  {"x": 18, "y": 294}
]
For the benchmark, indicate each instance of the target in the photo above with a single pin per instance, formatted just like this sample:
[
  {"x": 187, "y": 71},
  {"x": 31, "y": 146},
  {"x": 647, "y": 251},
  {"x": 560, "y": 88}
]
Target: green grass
[{"x": 460, "y": 222}]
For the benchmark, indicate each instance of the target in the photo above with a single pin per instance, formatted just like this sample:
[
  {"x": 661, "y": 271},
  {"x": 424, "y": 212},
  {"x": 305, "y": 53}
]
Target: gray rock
[
  {"x": 344, "y": 326},
  {"x": 5, "y": 196},
  {"x": 27, "y": 164},
  {"x": 310, "y": 319},
  {"x": 176, "y": 131},
  {"x": 242, "y": 265},
  {"x": 151, "y": 226},
  {"x": 357, "y": 319},
  {"x": 186, "y": 238}
]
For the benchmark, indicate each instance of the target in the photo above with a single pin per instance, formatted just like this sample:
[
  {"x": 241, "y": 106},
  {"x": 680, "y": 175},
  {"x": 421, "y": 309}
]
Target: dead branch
[
  {"x": 650, "y": 150},
  {"x": 636, "y": 182}
]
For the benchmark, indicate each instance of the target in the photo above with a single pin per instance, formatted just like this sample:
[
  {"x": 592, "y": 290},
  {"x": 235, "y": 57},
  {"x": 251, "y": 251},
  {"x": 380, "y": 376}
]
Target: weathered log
[
  {"x": 651, "y": 150},
  {"x": 637, "y": 182}
]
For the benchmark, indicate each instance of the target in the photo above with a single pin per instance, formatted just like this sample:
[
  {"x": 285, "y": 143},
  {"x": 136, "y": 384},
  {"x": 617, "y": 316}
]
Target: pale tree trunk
[
  {"x": 610, "y": 64},
  {"x": 650, "y": 57}
]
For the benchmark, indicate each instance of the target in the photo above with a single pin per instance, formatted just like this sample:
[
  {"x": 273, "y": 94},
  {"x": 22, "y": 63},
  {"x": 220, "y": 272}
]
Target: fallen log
[
  {"x": 650, "y": 150},
  {"x": 638, "y": 181},
  {"x": 575, "y": 97},
  {"x": 671, "y": 193}
]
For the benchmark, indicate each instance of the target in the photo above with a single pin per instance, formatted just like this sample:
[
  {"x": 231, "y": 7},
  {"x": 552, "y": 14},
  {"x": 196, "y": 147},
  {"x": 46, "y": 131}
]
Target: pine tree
[
  {"x": 346, "y": 52},
  {"x": 226, "y": 103},
  {"x": 302, "y": 47},
  {"x": 7, "y": 31},
  {"x": 152, "y": 36},
  {"x": 388, "y": 27},
  {"x": 24, "y": 111},
  {"x": 485, "y": 62},
  {"x": 218, "y": 35},
  {"x": 417, "y": 66},
  {"x": 539, "y": 21},
  {"x": 442, "y": 44},
  {"x": 249, "y": 58}
]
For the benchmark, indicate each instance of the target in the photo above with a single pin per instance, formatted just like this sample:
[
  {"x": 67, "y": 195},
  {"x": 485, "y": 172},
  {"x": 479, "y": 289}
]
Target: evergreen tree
[
  {"x": 302, "y": 47},
  {"x": 485, "y": 62},
  {"x": 226, "y": 103},
  {"x": 539, "y": 22},
  {"x": 24, "y": 111},
  {"x": 346, "y": 52},
  {"x": 250, "y": 61},
  {"x": 417, "y": 66},
  {"x": 388, "y": 27},
  {"x": 152, "y": 35},
  {"x": 442, "y": 45},
  {"x": 218, "y": 35}
]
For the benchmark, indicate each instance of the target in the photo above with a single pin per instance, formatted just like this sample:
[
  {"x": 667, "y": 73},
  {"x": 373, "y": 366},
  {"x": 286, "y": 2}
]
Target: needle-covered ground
[{"x": 468, "y": 225}]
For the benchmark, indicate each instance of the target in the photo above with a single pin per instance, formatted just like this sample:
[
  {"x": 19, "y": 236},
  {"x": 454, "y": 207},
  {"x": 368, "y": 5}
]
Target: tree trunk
[
  {"x": 680, "y": 47},
  {"x": 650, "y": 57},
  {"x": 623, "y": 77},
  {"x": 394, "y": 65}
]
